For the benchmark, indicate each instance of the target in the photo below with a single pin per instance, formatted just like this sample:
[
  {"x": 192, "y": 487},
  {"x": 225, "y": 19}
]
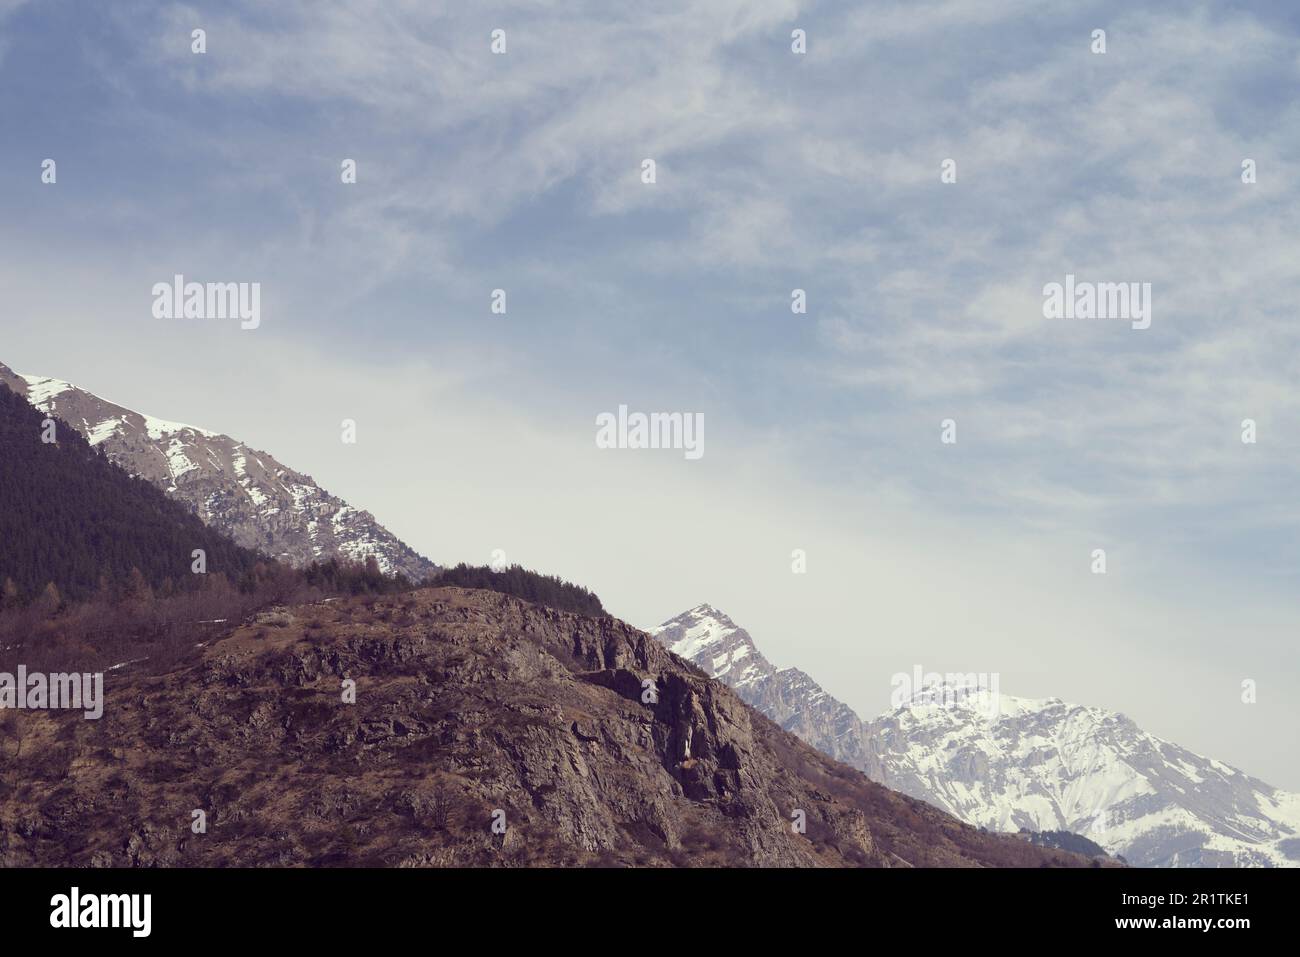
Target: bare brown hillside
[{"x": 467, "y": 703}]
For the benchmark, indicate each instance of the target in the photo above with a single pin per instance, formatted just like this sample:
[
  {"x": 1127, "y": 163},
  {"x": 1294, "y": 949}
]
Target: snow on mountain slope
[
  {"x": 1048, "y": 765},
  {"x": 714, "y": 643},
  {"x": 245, "y": 493},
  {"x": 1043, "y": 764}
]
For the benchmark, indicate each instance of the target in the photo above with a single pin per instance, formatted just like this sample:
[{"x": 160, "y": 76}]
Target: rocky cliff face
[
  {"x": 244, "y": 493},
  {"x": 471, "y": 708},
  {"x": 716, "y": 644}
]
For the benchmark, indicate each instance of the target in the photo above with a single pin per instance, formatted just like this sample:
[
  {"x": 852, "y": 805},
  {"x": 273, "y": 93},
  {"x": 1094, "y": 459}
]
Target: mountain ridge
[
  {"x": 73, "y": 520},
  {"x": 243, "y": 492}
]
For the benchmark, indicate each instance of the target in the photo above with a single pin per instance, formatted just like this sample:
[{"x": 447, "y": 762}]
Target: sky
[{"x": 775, "y": 171}]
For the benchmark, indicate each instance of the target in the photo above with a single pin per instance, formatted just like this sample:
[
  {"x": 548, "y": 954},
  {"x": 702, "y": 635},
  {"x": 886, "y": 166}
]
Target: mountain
[
  {"x": 1048, "y": 765},
  {"x": 724, "y": 650},
  {"x": 470, "y": 707},
  {"x": 244, "y": 493},
  {"x": 1040, "y": 765},
  {"x": 70, "y": 517}
]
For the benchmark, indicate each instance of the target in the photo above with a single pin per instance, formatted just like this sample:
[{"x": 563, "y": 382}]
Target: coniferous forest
[
  {"x": 522, "y": 583},
  {"x": 73, "y": 520}
]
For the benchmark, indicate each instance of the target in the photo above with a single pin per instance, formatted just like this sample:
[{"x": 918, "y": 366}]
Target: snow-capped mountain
[
  {"x": 1048, "y": 765},
  {"x": 1044, "y": 765},
  {"x": 714, "y": 643},
  {"x": 243, "y": 492}
]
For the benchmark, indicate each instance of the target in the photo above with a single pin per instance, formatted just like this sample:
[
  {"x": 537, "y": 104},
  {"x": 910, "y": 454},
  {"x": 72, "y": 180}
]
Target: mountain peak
[
  {"x": 715, "y": 644},
  {"x": 703, "y": 611},
  {"x": 711, "y": 640}
]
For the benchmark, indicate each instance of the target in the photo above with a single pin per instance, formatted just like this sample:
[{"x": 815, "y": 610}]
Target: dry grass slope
[{"x": 467, "y": 702}]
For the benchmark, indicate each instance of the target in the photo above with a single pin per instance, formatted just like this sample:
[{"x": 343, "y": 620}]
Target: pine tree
[
  {"x": 137, "y": 588},
  {"x": 50, "y": 601}
]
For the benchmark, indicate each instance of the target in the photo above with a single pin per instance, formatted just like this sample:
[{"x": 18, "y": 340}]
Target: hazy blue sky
[{"x": 775, "y": 171}]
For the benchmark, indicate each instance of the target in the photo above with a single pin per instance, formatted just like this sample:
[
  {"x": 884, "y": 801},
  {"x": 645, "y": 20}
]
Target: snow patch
[{"x": 41, "y": 389}]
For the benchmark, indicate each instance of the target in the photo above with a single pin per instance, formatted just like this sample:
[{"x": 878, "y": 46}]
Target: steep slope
[
  {"x": 467, "y": 703},
  {"x": 1042, "y": 765},
  {"x": 1048, "y": 765},
  {"x": 71, "y": 517},
  {"x": 723, "y": 650},
  {"x": 244, "y": 493}
]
